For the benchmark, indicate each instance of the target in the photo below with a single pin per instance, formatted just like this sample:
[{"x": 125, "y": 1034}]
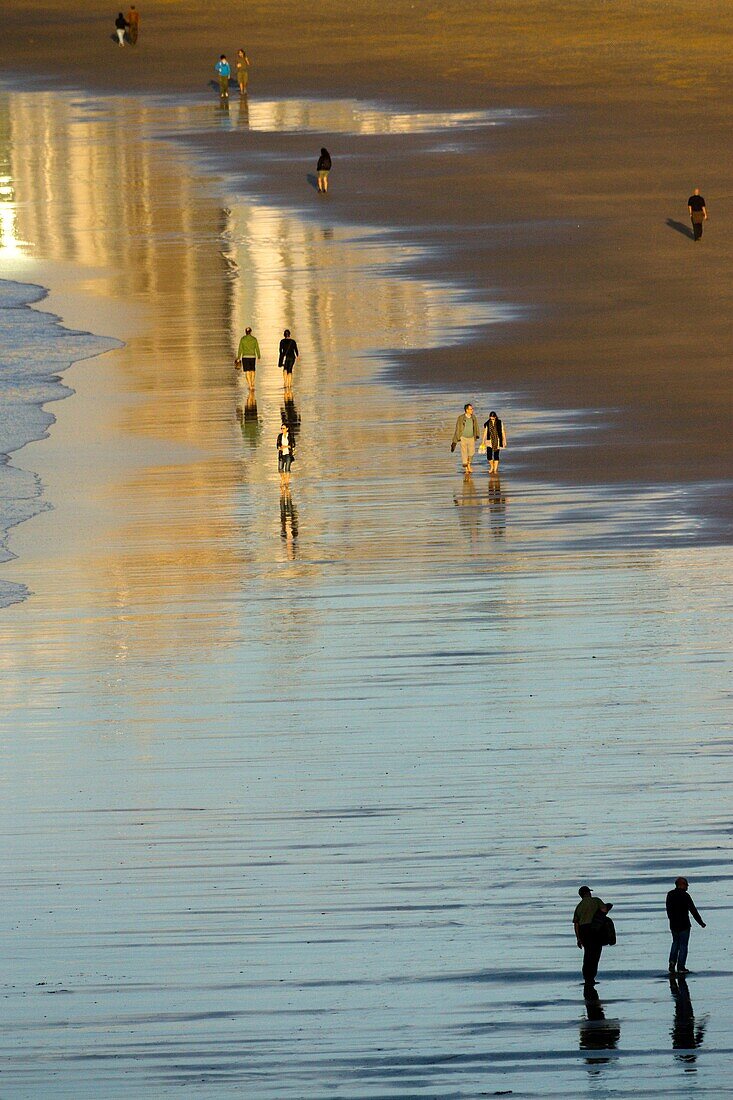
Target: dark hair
[
  {"x": 492, "y": 413},
  {"x": 223, "y": 57},
  {"x": 324, "y": 151},
  {"x": 584, "y": 890},
  {"x": 247, "y": 331},
  {"x": 468, "y": 405},
  {"x": 287, "y": 332}
]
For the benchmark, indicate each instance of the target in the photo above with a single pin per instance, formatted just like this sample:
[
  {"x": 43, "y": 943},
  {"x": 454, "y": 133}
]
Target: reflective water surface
[{"x": 298, "y": 787}]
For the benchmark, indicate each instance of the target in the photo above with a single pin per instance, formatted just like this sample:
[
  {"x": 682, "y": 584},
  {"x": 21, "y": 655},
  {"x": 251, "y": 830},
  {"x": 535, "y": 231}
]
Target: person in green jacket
[
  {"x": 247, "y": 356},
  {"x": 466, "y": 433}
]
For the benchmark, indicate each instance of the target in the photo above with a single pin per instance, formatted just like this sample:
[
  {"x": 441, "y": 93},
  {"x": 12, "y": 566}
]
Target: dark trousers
[
  {"x": 591, "y": 940},
  {"x": 678, "y": 954},
  {"x": 697, "y": 227}
]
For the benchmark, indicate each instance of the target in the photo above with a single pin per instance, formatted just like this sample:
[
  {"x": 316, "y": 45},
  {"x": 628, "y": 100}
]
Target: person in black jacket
[
  {"x": 286, "y": 361},
  {"x": 679, "y": 907},
  {"x": 698, "y": 212},
  {"x": 121, "y": 26},
  {"x": 323, "y": 168}
]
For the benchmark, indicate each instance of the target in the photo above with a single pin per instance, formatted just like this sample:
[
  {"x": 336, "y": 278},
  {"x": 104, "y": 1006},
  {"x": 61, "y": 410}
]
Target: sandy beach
[
  {"x": 581, "y": 216},
  {"x": 299, "y": 787}
]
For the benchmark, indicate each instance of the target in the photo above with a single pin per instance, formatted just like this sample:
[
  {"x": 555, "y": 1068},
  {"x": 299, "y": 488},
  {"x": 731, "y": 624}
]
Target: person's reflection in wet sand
[
  {"x": 243, "y": 116},
  {"x": 596, "y": 1032},
  {"x": 687, "y": 1033},
  {"x": 288, "y": 523},
  {"x": 249, "y": 420},
  {"x": 290, "y": 415},
  {"x": 469, "y": 508},
  {"x": 497, "y": 507}
]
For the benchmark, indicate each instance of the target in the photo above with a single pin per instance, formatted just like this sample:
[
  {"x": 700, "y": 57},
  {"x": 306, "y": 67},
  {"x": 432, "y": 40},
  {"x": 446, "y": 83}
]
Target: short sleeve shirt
[
  {"x": 586, "y": 909},
  {"x": 696, "y": 203}
]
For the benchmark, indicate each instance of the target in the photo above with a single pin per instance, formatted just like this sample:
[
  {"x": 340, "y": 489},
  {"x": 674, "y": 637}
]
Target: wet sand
[
  {"x": 298, "y": 789},
  {"x": 580, "y": 217}
]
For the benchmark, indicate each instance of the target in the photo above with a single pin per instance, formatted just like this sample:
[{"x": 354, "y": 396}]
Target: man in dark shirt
[
  {"x": 698, "y": 212},
  {"x": 679, "y": 907},
  {"x": 288, "y": 354}
]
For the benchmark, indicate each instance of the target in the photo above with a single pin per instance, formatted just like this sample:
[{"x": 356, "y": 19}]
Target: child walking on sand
[{"x": 223, "y": 71}]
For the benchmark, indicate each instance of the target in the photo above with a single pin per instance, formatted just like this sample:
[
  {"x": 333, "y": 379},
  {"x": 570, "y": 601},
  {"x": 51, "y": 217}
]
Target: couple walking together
[{"x": 467, "y": 432}]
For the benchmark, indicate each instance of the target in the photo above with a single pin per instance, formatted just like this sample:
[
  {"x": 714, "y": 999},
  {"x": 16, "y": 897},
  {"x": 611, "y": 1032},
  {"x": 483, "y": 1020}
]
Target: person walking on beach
[
  {"x": 288, "y": 354},
  {"x": 242, "y": 72},
  {"x": 698, "y": 212},
  {"x": 285, "y": 455},
  {"x": 588, "y": 932},
  {"x": 120, "y": 28},
  {"x": 323, "y": 168},
  {"x": 679, "y": 907},
  {"x": 133, "y": 22},
  {"x": 466, "y": 433},
  {"x": 223, "y": 71},
  {"x": 247, "y": 355},
  {"x": 493, "y": 439}
]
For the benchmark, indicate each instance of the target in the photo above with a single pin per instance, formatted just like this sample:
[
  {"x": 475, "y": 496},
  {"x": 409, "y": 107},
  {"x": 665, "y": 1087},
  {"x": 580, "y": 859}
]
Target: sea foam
[{"x": 35, "y": 349}]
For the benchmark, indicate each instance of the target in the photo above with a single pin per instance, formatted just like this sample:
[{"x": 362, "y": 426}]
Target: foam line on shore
[{"x": 36, "y": 350}]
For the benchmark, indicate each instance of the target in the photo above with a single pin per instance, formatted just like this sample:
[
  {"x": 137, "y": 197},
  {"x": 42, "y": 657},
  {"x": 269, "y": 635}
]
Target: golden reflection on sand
[
  {"x": 173, "y": 500},
  {"x": 144, "y": 233}
]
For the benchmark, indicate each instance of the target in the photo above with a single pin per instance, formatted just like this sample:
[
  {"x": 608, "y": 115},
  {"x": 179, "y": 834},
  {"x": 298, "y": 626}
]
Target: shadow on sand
[
  {"x": 312, "y": 180},
  {"x": 681, "y": 228}
]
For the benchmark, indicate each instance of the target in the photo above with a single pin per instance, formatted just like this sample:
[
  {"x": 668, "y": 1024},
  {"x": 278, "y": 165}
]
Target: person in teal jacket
[
  {"x": 223, "y": 71},
  {"x": 247, "y": 356}
]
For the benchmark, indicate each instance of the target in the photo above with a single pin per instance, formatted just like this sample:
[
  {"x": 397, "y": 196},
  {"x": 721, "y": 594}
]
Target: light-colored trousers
[{"x": 468, "y": 449}]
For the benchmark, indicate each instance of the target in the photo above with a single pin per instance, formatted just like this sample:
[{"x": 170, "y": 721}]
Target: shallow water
[{"x": 298, "y": 789}]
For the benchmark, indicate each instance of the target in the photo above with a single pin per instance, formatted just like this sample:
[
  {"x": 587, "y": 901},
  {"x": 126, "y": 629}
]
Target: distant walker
[
  {"x": 286, "y": 360},
  {"x": 120, "y": 28},
  {"x": 248, "y": 353},
  {"x": 698, "y": 212},
  {"x": 323, "y": 168},
  {"x": 133, "y": 22}
]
